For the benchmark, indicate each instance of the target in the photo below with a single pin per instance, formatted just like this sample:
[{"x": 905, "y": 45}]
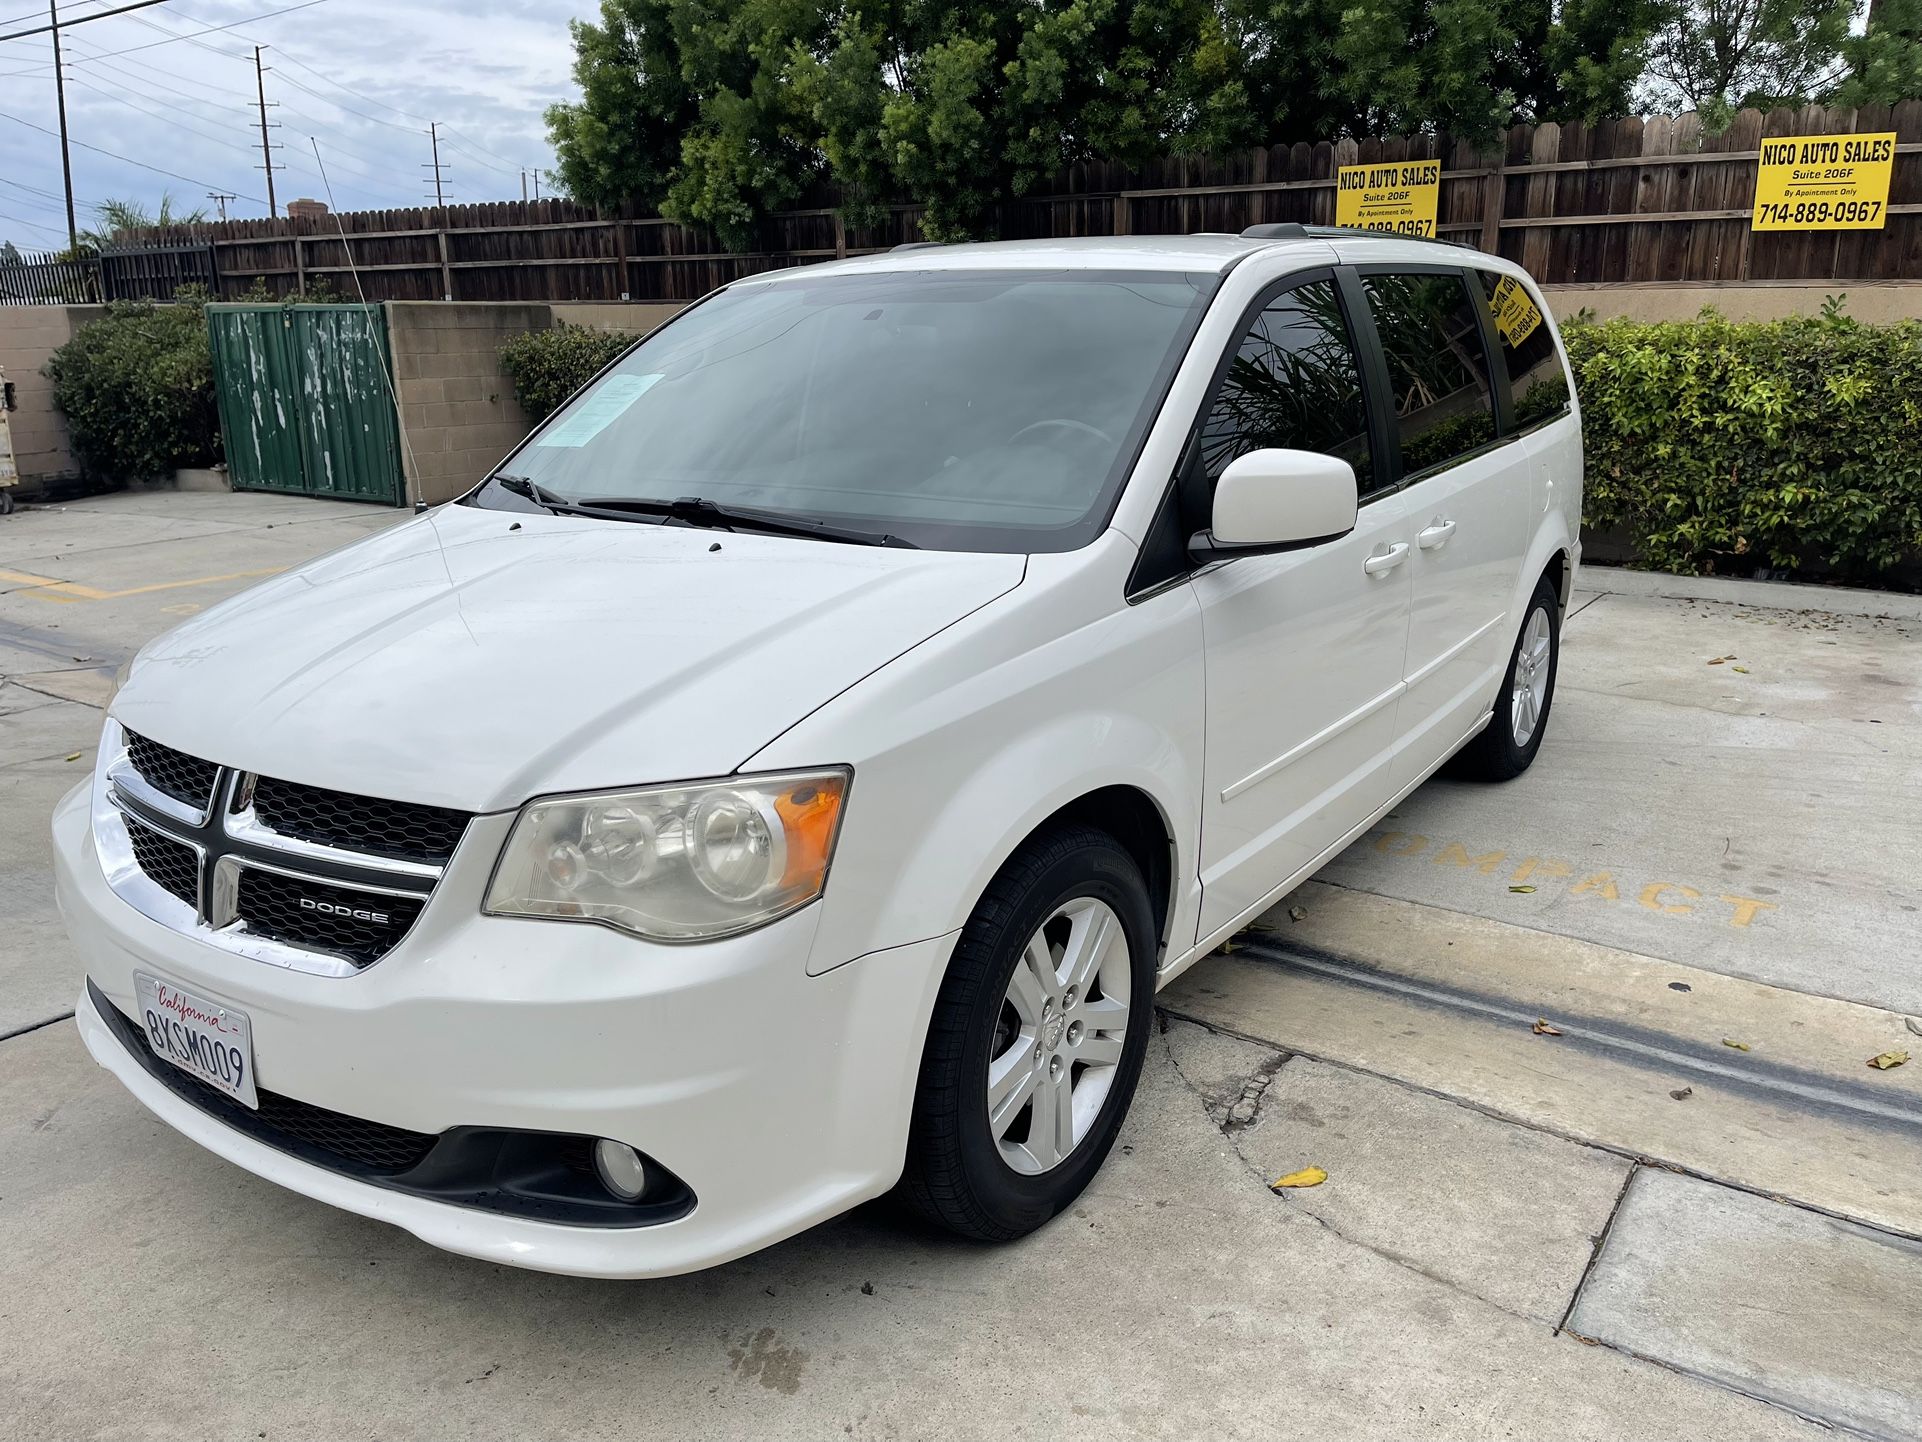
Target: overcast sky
[{"x": 485, "y": 69}]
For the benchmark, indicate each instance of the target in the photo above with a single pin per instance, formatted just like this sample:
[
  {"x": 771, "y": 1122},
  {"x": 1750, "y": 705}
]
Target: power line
[
  {"x": 31, "y": 225},
  {"x": 210, "y": 30},
  {"x": 84, "y": 19},
  {"x": 124, "y": 159},
  {"x": 162, "y": 116}
]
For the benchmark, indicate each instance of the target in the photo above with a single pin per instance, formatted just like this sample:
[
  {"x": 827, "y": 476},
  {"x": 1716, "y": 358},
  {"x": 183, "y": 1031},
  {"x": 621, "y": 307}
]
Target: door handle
[
  {"x": 1436, "y": 536},
  {"x": 1387, "y": 560}
]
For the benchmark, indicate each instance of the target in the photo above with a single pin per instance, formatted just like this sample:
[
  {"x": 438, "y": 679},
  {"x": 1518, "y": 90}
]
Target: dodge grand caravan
[{"x": 788, "y": 777}]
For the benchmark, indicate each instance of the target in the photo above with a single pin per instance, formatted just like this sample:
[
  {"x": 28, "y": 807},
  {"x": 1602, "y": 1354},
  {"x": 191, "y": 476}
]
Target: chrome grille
[
  {"x": 300, "y": 876},
  {"x": 173, "y": 773}
]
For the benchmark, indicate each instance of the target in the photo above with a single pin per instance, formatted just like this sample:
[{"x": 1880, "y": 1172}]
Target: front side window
[
  {"x": 1535, "y": 375},
  {"x": 1437, "y": 366},
  {"x": 1294, "y": 384},
  {"x": 982, "y": 410}
]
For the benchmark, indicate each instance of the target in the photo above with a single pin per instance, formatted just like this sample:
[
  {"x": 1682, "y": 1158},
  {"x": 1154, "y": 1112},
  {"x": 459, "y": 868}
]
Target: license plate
[{"x": 201, "y": 1037}]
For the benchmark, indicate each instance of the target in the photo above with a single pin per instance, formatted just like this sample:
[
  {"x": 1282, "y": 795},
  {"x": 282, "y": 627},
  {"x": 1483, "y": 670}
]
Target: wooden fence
[{"x": 1655, "y": 199}]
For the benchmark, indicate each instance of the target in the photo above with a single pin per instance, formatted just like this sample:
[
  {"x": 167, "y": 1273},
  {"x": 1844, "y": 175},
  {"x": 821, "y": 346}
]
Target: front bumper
[{"x": 779, "y": 1098}]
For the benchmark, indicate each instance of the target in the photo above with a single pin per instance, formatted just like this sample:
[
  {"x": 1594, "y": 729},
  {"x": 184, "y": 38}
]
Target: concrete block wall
[
  {"x": 29, "y": 334},
  {"x": 458, "y": 415},
  {"x": 629, "y": 317},
  {"x": 1872, "y": 302}
]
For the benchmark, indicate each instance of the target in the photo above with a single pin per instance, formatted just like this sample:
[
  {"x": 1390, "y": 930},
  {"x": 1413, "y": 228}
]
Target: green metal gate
[{"x": 306, "y": 400}]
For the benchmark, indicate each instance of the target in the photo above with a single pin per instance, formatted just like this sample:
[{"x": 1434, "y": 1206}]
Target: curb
[{"x": 1771, "y": 595}]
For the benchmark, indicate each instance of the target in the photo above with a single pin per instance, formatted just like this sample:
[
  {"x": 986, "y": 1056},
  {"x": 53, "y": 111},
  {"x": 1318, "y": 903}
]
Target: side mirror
[{"x": 1278, "y": 500}]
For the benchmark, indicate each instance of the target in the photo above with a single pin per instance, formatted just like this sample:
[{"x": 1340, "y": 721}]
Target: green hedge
[
  {"x": 137, "y": 389},
  {"x": 548, "y": 366},
  {"x": 1724, "y": 447}
]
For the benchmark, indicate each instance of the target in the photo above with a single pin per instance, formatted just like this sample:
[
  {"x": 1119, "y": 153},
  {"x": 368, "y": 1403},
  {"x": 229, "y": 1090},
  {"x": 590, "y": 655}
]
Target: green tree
[
  {"x": 1717, "y": 56},
  {"x": 112, "y": 217},
  {"x": 620, "y": 143},
  {"x": 719, "y": 111},
  {"x": 1885, "y": 61}
]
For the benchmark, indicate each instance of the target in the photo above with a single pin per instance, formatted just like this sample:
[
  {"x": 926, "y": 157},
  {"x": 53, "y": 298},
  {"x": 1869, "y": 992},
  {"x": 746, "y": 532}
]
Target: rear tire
[
  {"x": 1507, "y": 745},
  {"x": 1037, "y": 1039}
]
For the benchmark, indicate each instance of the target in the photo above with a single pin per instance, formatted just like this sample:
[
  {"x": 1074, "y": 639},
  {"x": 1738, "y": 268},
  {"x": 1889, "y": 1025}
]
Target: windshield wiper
[
  {"x": 695, "y": 511},
  {"x": 699, "y": 511}
]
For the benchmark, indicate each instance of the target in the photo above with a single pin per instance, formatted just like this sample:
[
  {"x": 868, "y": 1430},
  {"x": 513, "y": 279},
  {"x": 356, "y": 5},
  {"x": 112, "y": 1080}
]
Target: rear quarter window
[{"x": 1536, "y": 376}]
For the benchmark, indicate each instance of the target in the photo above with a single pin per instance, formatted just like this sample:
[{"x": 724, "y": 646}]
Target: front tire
[
  {"x": 1507, "y": 745},
  {"x": 1037, "y": 1039}
]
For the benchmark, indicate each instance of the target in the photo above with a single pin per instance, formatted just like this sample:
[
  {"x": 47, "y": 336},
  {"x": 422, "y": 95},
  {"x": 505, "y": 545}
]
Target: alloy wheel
[
  {"x": 1059, "y": 1036},
  {"x": 1528, "y": 698}
]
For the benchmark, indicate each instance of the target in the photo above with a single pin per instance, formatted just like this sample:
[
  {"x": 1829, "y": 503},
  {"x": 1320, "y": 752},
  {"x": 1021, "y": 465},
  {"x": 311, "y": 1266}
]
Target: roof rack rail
[
  {"x": 915, "y": 245},
  {"x": 1295, "y": 230}
]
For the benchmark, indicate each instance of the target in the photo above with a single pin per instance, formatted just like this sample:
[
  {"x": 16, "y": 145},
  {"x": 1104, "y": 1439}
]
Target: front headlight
[{"x": 674, "y": 863}]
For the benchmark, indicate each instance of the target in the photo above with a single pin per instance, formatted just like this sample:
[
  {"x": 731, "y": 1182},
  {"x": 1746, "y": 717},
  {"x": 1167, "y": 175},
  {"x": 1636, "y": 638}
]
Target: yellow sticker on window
[
  {"x": 1516, "y": 316},
  {"x": 1824, "y": 182},
  {"x": 1399, "y": 196}
]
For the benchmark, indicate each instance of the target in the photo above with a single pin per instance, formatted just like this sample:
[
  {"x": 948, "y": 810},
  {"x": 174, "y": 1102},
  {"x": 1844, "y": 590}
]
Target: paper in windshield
[{"x": 600, "y": 410}]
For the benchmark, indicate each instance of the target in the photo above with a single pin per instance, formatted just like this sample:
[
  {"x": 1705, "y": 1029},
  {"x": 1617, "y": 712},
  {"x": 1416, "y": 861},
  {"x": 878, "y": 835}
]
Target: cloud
[{"x": 485, "y": 69}]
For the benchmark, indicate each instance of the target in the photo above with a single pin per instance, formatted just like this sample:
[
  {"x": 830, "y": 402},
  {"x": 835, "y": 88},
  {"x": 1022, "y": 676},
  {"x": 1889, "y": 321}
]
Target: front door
[{"x": 1304, "y": 649}]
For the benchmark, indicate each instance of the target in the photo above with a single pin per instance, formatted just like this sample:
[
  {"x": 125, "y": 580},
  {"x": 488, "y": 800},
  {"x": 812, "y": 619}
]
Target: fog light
[{"x": 620, "y": 1169}]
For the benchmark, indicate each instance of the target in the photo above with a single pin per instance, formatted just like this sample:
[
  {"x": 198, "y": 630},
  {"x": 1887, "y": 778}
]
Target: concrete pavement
[{"x": 1619, "y": 1227}]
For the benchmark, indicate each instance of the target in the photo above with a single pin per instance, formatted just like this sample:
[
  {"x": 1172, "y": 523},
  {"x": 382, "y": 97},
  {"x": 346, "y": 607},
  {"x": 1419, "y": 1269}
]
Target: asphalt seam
[
  {"x": 1528, "y": 1124},
  {"x": 1325, "y": 880},
  {"x": 1301, "y": 1210},
  {"x": 34, "y": 1026},
  {"x": 1561, "y": 1328},
  {"x": 1811, "y": 1090},
  {"x": 1596, "y": 1247}
]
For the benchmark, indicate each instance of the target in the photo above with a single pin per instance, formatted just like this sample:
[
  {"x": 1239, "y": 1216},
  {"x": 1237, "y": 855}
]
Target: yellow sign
[
  {"x": 1516, "y": 316},
  {"x": 1398, "y": 196},
  {"x": 1824, "y": 182}
]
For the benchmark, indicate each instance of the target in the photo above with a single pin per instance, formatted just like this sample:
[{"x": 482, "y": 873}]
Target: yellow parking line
[{"x": 49, "y": 588}]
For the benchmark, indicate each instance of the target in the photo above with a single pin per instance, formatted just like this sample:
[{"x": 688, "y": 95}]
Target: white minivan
[{"x": 790, "y": 775}]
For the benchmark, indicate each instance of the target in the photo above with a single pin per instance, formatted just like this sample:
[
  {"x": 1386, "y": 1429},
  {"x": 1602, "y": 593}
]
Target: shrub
[
  {"x": 548, "y": 366},
  {"x": 1718, "y": 446},
  {"x": 137, "y": 389}
]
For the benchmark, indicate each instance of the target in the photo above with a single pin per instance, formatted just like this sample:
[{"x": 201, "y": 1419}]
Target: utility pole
[
  {"x": 60, "y": 95},
  {"x": 433, "y": 138},
  {"x": 523, "y": 185},
  {"x": 266, "y": 150},
  {"x": 220, "y": 198},
  {"x": 537, "y": 185}
]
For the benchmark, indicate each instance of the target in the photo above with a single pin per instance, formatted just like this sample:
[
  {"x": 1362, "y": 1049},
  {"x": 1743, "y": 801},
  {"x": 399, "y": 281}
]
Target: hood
[{"x": 474, "y": 658}]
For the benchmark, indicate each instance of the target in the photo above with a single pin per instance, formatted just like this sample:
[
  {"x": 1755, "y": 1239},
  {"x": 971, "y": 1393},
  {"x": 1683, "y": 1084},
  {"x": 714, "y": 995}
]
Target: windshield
[{"x": 974, "y": 411}]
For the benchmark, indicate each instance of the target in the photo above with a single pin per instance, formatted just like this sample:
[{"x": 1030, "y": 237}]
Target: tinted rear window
[{"x": 1437, "y": 366}]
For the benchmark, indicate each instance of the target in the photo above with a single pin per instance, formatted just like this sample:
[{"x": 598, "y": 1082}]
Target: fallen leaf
[
  {"x": 1524, "y": 890},
  {"x": 1888, "y": 1059},
  {"x": 1738, "y": 1045},
  {"x": 1683, "y": 1094},
  {"x": 1306, "y": 1177},
  {"x": 1542, "y": 1028},
  {"x": 1742, "y": 669},
  {"x": 1297, "y": 913},
  {"x": 1227, "y": 948},
  {"x": 1715, "y": 661},
  {"x": 74, "y": 757}
]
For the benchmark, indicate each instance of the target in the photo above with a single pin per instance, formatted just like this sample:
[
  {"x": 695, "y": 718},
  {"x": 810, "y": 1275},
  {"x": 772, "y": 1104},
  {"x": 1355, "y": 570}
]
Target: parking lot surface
[{"x": 1620, "y": 1225}]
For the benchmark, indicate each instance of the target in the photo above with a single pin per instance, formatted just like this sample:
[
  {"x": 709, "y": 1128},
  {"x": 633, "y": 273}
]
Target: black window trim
[{"x": 1173, "y": 503}]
